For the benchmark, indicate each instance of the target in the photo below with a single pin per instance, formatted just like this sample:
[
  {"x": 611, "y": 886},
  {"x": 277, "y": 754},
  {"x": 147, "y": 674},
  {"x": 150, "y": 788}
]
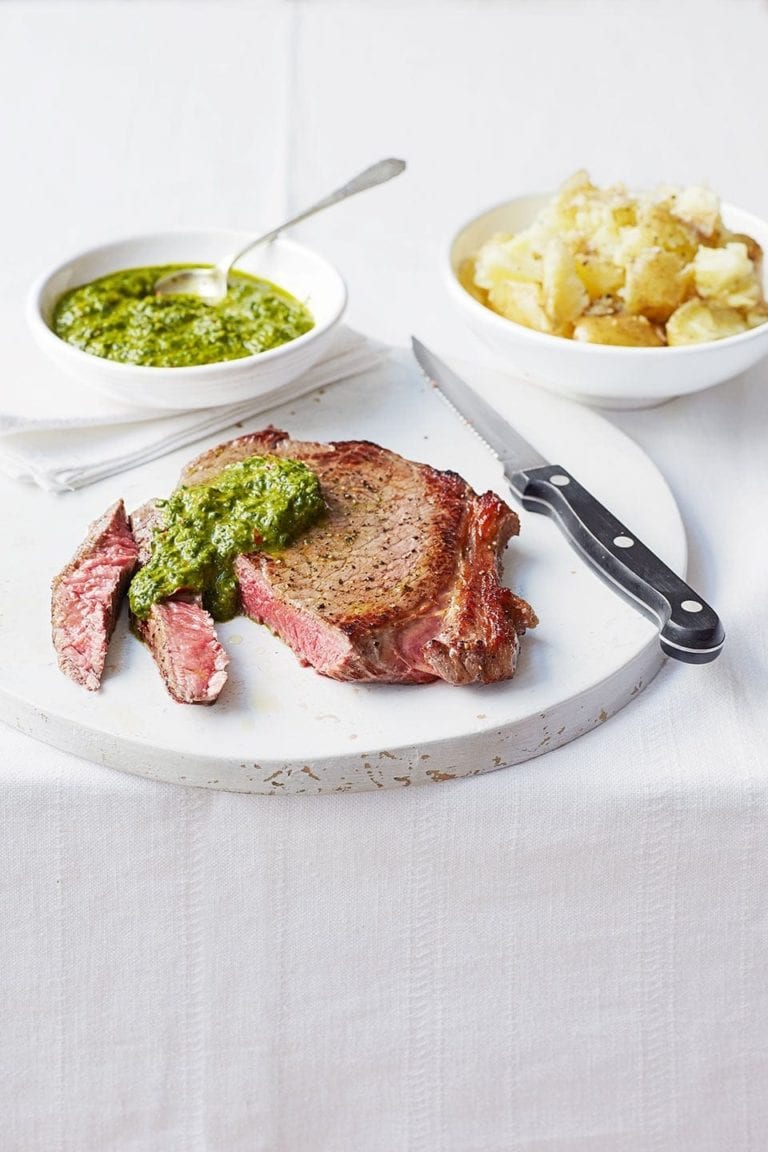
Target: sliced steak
[
  {"x": 400, "y": 582},
  {"x": 86, "y": 596},
  {"x": 179, "y": 632}
]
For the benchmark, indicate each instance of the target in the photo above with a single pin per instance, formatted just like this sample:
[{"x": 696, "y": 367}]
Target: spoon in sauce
[{"x": 210, "y": 283}]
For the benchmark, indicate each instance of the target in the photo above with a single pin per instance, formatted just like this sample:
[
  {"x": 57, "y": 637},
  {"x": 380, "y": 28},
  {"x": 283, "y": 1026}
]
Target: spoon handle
[{"x": 377, "y": 174}]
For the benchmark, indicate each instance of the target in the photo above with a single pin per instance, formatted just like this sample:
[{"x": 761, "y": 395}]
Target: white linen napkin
[{"x": 61, "y": 437}]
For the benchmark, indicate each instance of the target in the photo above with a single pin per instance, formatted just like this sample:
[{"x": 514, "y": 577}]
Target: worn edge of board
[{"x": 364, "y": 771}]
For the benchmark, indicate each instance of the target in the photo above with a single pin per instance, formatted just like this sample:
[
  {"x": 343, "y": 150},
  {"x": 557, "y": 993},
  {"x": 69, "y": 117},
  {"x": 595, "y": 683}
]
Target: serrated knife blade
[
  {"x": 689, "y": 629},
  {"x": 511, "y": 448}
]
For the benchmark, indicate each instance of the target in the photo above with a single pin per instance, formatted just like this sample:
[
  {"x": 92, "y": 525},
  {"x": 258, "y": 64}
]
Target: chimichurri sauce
[
  {"x": 119, "y": 317},
  {"x": 259, "y": 503}
]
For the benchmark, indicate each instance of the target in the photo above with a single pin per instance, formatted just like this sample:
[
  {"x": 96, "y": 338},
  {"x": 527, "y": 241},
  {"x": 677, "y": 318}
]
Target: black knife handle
[{"x": 690, "y": 630}]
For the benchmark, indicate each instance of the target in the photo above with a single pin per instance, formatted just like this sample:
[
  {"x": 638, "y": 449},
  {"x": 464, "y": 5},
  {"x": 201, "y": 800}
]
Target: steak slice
[
  {"x": 86, "y": 596},
  {"x": 179, "y": 632},
  {"x": 399, "y": 583}
]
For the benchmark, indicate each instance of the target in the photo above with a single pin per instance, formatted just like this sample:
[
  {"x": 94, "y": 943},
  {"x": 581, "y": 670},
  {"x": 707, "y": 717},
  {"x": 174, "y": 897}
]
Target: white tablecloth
[{"x": 569, "y": 956}]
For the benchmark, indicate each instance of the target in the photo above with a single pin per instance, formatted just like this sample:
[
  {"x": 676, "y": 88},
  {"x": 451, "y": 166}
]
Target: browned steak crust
[
  {"x": 86, "y": 596},
  {"x": 400, "y": 582}
]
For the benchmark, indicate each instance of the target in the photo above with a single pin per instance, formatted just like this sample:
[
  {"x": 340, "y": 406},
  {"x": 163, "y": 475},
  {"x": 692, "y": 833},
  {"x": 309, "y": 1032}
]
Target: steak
[
  {"x": 400, "y": 582},
  {"x": 86, "y": 596},
  {"x": 179, "y": 633}
]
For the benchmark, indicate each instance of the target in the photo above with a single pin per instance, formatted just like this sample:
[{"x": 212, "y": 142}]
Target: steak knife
[{"x": 689, "y": 629}]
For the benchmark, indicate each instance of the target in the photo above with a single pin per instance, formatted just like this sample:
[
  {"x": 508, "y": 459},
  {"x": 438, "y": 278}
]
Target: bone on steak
[
  {"x": 86, "y": 596},
  {"x": 400, "y": 582},
  {"x": 179, "y": 632}
]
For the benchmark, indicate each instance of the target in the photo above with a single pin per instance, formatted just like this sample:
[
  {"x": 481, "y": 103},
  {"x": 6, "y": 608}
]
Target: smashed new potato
[
  {"x": 699, "y": 320},
  {"x": 631, "y": 331},
  {"x": 606, "y": 267},
  {"x": 657, "y": 283}
]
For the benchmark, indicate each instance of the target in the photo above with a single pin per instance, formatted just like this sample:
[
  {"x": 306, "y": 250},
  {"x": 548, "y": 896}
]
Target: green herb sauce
[
  {"x": 119, "y": 317},
  {"x": 263, "y": 502}
]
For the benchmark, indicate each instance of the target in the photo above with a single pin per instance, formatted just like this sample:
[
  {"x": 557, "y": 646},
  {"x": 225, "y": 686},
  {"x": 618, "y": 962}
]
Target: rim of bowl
[
  {"x": 503, "y": 324},
  {"x": 36, "y": 320}
]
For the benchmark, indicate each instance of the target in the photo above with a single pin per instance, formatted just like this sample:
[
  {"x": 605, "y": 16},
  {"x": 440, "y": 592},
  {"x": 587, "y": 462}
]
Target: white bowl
[
  {"x": 306, "y": 275},
  {"x": 598, "y": 374}
]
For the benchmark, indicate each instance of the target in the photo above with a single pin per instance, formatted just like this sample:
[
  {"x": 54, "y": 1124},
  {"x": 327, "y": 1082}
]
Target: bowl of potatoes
[{"x": 612, "y": 298}]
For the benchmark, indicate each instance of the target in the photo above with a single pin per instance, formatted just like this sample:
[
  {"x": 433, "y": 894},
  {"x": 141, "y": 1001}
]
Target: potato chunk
[
  {"x": 697, "y": 321},
  {"x": 757, "y": 316},
  {"x": 466, "y": 277},
  {"x": 699, "y": 207},
  {"x": 656, "y": 228},
  {"x": 727, "y": 275},
  {"x": 657, "y": 283},
  {"x": 754, "y": 251},
  {"x": 521, "y": 302},
  {"x": 631, "y": 331},
  {"x": 507, "y": 257},
  {"x": 599, "y": 277},
  {"x": 565, "y": 297}
]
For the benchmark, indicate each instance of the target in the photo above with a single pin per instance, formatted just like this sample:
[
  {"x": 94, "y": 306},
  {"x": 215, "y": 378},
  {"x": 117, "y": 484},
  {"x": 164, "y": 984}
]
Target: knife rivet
[
  {"x": 623, "y": 541},
  {"x": 691, "y": 606},
  {"x": 559, "y": 479}
]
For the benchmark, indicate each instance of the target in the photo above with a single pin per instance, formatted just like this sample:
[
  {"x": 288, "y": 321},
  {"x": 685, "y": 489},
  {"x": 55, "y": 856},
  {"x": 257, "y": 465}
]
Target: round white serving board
[{"x": 281, "y": 728}]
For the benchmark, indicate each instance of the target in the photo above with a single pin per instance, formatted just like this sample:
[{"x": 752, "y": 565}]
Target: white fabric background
[{"x": 564, "y": 957}]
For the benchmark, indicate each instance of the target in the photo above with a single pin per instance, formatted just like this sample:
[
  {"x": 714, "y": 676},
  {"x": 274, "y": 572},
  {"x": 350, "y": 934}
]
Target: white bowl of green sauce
[{"x": 119, "y": 339}]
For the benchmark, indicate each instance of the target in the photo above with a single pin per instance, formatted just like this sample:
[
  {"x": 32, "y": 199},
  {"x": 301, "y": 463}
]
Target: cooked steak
[
  {"x": 399, "y": 582},
  {"x": 179, "y": 632},
  {"x": 86, "y": 596}
]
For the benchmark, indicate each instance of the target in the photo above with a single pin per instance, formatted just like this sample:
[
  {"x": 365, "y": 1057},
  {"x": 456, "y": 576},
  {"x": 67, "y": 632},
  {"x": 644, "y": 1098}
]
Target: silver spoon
[{"x": 210, "y": 283}]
